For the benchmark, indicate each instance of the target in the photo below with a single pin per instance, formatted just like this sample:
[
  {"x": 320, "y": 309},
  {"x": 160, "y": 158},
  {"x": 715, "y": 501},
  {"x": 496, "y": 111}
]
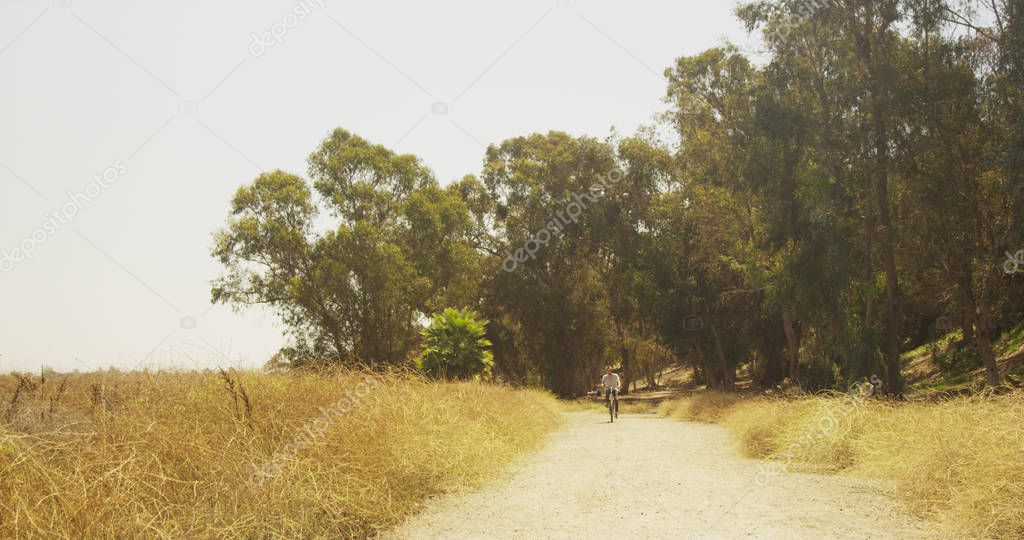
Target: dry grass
[
  {"x": 707, "y": 407},
  {"x": 174, "y": 454},
  {"x": 625, "y": 406},
  {"x": 958, "y": 462}
]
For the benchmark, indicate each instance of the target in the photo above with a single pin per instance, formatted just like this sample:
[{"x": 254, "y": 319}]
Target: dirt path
[{"x": 648, "y": 477}]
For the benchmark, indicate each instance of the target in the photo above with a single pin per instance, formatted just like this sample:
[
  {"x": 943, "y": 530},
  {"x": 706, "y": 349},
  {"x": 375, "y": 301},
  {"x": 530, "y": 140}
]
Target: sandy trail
[{"x": 648, "y": 477}]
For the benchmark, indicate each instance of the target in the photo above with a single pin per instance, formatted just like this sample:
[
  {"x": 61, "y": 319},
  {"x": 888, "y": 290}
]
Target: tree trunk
[
  {"x": 979, "y": 313},
  {"x": 894, "y": 378},
  {"x": 709, "y": 371},
  {"x": 771, "y": 368},
  {"x": 988, "y": 357},
  {"x": 792, "y": 347},
  {"x": 626, "y": 359},
  {"x": 869, "y": 262},
  {"x": 728, "y": 375},
  {"x": 870, "y": 35},
  {"x": 968, "y": 323}
]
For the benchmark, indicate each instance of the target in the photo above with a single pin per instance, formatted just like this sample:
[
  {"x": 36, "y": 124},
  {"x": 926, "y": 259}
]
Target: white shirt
[{"x": 610, "y": 380}]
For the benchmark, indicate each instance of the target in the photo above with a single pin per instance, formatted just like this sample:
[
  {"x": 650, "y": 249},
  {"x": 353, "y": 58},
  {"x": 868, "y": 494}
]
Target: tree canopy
[{"x": 819, "y": 210}]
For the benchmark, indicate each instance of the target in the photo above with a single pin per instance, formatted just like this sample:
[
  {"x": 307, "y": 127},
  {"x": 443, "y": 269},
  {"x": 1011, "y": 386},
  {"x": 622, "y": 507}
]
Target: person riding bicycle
[{"x": 611, "y": 383}]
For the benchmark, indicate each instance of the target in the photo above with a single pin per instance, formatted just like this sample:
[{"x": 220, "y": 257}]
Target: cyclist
[{"x": 611, "y": 383}]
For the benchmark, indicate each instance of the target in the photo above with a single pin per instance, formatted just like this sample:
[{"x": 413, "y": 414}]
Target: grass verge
[
  {"x": 959, "y": 462},
  {"x": 625, "y": 407},
  {"x": 247, "y": 454}
]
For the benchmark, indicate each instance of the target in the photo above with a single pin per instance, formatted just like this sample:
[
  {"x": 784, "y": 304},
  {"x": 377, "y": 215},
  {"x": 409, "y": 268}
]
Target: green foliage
[
  {"x": 822, "y": 209},
  {"x": 455, "y": 346},
  {"x": 1012, "y": 341},
  {"x": 397, "y": 245}
]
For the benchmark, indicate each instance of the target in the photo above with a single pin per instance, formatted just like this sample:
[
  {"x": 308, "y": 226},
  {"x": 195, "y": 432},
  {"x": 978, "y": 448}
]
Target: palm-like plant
[{"x": 455, "y": 346}]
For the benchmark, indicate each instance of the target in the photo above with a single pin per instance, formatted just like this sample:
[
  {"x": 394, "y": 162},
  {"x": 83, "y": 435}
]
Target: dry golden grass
[
  {"x": 174, "y": 454},
  {"x": 625, "y": 406},
  {"x": 707, "y": 407},
  {"x": 633, "y": 407},
  {"x": 958, "y": 462},
  {"x": 962, "y": 460}
]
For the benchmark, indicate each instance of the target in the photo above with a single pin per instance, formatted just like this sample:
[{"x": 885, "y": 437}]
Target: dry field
[{"x": 205, "y": 455}]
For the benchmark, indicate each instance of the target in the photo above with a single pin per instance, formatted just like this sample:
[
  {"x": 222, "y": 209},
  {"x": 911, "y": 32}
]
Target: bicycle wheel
[{"x": 611, "y": 407}]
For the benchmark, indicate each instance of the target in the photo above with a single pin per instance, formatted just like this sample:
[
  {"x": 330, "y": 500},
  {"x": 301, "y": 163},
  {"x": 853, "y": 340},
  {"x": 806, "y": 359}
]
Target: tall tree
[{"x": 357, "y": 292}]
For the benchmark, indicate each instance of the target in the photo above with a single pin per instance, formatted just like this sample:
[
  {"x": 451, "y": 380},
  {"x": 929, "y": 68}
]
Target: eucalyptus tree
[
  {"x": 842, "y": 58},
  {"x": 547, "y": 287},
  {"x": 622, "y": 226},
  {"x": 353, "y": 274}
]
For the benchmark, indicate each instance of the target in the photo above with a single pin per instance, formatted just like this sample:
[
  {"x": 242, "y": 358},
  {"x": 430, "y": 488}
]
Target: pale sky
[{"x": 177, "y": 106}]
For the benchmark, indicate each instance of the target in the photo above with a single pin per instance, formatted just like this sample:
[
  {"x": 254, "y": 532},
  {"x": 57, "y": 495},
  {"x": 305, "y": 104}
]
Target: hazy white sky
[{"x": 126, "y": 126}]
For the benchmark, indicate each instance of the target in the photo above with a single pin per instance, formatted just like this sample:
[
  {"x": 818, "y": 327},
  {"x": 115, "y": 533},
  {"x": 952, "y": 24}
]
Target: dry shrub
[
  {"x": 822, "y": 431},
  {"x": 961, "y": 461},
  {"x": 670, "y": 407},
  {"x": 583, "y": 404},
  {"x": 174, "y": 454},
  {"x": 756, "y": 424},
  {"x": 708, "y": 407},
  {"x": 958, "y": 462},
  {"x": 626, "y": 406}
]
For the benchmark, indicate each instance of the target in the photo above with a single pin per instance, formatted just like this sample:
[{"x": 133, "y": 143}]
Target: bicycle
[{"x": 612, "y": 397}]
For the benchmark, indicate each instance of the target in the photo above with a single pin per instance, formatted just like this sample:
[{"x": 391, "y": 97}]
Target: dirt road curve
[{"x": 648, "y": 477}]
